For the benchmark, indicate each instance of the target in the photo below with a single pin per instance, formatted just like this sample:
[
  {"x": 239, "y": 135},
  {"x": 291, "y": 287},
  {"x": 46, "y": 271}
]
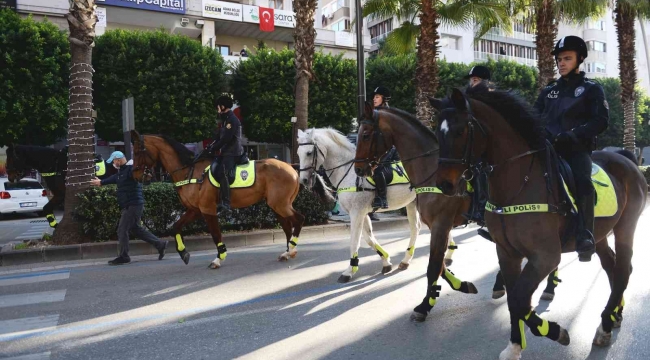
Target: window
[
  {"x": 23, "y": 185},
  {"x": 596, "y": 68},
  {"x": 224, "y": 50},
  {"x": 596, "y": 25},
  {"x": 448, "y": 42},
  {"x": 276, "y": 4},
  {"x": 382, "y": 28},
  {"x": 597, "y": 46},
  {"x": 341, "y": 25}
]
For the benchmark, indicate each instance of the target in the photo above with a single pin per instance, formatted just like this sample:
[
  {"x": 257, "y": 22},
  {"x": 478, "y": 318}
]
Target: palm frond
[
  {"x": 580, "y": 11},
  {"x": 402, "y": 40},
  {"x": 479, "y": 14}
]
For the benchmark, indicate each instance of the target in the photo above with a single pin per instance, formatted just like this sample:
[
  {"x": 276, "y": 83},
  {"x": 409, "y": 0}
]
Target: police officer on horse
[
  {"x": 576, "y": 112},
  {"x": 381, "y": 97},
  {"x": 228, "y": 141}
]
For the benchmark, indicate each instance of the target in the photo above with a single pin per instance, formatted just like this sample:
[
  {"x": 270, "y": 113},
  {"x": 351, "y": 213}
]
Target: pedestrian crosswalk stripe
[
  {"x": 41, "y": 356},
  {"x": 38, "y": 323},
  {"x": 32, "y": 298},
  {"x": 19, "y": 279}
]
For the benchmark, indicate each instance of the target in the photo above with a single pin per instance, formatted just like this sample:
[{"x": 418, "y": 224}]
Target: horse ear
[
  {"x": 135, "y": 136},
  {"x": 300, "y": 133},
  {"x": 367, "y": 110},
  {"x": 436, "y": 103},
  {"x": 459, "y": 100}
]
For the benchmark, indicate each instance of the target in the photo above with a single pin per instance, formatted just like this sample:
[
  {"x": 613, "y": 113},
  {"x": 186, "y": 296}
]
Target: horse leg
[
  {"x": 415, "y": 224},
  {"x": 356, "y": 225},
  {"x": 186, "y": 218},
  {"x": 215, "y": 231},
  {"x": 519, "y": 297},
  {"x": 368, "y": 235},
  {"x": 551, "y": 283},
  {"x": 286, "y": 227},
  {"x": 48, "y": 209},
  {"x": 450, "y": 251},
  {"x": 296, "y": 221},
  {"x": 613, "y": 312},
  {"x": 499, "y": 288}
]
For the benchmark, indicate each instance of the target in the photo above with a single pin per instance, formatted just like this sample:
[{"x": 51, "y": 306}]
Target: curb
[{"x": 109, "y": 249}]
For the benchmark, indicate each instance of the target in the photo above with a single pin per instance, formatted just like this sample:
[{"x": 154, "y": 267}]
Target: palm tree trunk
[
  {"x": 426, "y": 71},
  {"x": 304, "y": 37},
  {"x": 625, "y": 17},
  {"x": 545, "y": 40},
  {"x": 81, "y": 129}
]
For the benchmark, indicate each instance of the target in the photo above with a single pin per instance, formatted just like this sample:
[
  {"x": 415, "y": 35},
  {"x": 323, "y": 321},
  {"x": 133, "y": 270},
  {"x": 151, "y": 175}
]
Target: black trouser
[
  {"x": 130, "y": 222},
  {"x": 221, "y": 167},
  {"x": 379, "y": 177},
  {"x": 580, "y": 163}
]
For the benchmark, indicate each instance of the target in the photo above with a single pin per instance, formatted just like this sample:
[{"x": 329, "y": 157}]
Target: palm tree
[
  {"x": 627, "y": 11},
  {"x": 479, "y": 14},
  {"x": 81, "y": 129},
  {"x": 304, "y": 37}
]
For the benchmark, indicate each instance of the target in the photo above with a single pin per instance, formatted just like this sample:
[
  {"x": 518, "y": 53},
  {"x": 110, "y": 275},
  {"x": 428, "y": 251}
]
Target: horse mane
[
  {"x": 185, "y": 155},
  {"x": 411, "y": 119},
  {"x": 329, "y": 134},
  {"x": 40, "y": 158},
  {"x": 522, "y": 117}
]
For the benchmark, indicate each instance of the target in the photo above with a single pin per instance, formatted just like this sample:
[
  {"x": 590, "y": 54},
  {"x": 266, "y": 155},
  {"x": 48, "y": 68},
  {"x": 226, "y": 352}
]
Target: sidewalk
[{"x": 339, "y": 226}]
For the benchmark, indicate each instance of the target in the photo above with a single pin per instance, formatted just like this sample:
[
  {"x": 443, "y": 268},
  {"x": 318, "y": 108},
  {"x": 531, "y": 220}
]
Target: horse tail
[
  {"x": 628, "y": 154},
  {"x": 322, "y": 190}
]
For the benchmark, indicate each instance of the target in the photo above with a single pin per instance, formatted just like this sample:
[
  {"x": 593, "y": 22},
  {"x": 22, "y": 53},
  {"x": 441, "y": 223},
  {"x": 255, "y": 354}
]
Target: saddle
[
  {"x": 243, "y": 175},
  {"x": 393, "y": 173}
]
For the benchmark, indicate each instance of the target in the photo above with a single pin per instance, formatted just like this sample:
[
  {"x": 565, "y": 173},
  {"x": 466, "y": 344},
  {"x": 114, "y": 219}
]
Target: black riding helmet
[
  {"x": 383, "y": 92},
  {"x": 569, "y": 43},
  {"x": 479, "y": 71},
  {"x": 224, "y": 101}
]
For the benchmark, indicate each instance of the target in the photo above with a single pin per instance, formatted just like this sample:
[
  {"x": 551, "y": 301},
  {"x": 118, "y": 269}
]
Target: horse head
[
  {"x": 16, "y": 167},
  {"x": 144, "y": 157},
  {"x": 372, "y": 141},
  {"x": 459, "y": 144}
]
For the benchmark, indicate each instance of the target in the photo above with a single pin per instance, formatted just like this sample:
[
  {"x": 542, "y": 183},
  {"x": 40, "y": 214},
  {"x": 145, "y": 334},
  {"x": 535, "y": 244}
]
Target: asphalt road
[
  {"x": 19, "y": 227},
  {"x": 257, "y": 308}
]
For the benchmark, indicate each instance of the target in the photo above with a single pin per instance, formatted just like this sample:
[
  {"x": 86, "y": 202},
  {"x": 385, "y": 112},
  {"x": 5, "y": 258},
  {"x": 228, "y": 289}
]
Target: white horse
[{"x": 332, "y": 150}]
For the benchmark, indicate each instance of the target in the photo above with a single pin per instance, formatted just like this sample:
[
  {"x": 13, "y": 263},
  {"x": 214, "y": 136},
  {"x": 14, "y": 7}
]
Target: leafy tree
[
  {"x": 396, "y": 73},
  {"x": 34, "y": 59},
  {"x": 173, "y": 79},
  {"x": 263, "y": 86}
]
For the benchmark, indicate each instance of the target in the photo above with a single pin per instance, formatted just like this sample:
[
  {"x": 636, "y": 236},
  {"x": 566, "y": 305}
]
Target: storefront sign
[
  {"x": 101, "y": 16},
  {"x": 8, "y": 4},
  {"x": 282, "y": 18},
  {"x": 171, "y": 6},
  {"x": 222, "y": 10}
]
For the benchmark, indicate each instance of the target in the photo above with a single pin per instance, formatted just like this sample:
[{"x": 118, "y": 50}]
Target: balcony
[
  {"x": 493, "y": 33},
  {"x": 483, "y": 56},
  {"x": 377, "y": 39}
]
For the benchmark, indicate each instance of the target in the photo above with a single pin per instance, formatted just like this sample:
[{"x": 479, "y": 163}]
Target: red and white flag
[{"x": 267, "y": 17}]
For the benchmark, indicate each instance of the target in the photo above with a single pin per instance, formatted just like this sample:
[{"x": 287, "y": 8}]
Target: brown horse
[
  {"x": 418, "y": 148},
  {"x": 526, "y": 217},
  {"x": 275, "y": 181}
]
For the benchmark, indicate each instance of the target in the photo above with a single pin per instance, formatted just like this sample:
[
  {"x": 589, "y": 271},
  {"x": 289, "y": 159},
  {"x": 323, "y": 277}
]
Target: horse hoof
[
  {"x": 403, "y": 266},
  {"x": 498, "y": 294},
  {"x": 214, "y": 266},
  {"x": 471, "y": 289},
  {"x": 293, "y": 255},
  {"x": 547, "y": 296},
  {"x": 617, "y": 324},
  {"x": 344, "y": 279},
  {"x": 448, "y": 262},
  {"x": 283, "y": 257},
  {"x": 564, "y": 338},
  {"x": 602, "y": 338},
  {"x": 417, "y": 317},
  {"x": 512, "y": 352},
  {"x": 386, "y": 269},
  {"x": 185, "y": 257}
]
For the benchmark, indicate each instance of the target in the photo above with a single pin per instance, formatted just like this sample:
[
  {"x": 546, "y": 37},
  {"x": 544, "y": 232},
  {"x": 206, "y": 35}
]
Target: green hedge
[
  {"x": 99, "y": 213},
  {"x": 646, "y": 173}
]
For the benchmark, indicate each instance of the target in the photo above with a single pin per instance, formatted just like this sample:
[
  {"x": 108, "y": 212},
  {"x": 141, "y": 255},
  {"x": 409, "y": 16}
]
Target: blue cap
[{"x": 115, "y": 155}]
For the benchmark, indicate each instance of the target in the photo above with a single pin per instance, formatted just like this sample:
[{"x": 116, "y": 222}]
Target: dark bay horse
[
  {"x": 501, "y": 128},
  {"x": 418, "y": 148},
  {"x": 275, "y": 181},
  {"x": 51, "y": 164}
]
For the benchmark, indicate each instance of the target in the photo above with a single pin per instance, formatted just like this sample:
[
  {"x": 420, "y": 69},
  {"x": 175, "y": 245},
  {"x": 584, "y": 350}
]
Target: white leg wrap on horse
[
  {"x": 511, "y": 352},
  {"x": 217, "y": 261}
]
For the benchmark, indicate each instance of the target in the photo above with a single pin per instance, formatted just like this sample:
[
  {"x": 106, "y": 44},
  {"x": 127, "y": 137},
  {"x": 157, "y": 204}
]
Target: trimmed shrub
[{"x": 99, "y": 213}]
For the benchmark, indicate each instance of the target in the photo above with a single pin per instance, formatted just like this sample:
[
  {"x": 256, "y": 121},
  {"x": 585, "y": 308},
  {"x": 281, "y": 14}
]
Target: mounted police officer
[
  {"x": 381, "y": 97},
  {"x": 228, "y": 141},
  {"x": 576, "y": 112}
]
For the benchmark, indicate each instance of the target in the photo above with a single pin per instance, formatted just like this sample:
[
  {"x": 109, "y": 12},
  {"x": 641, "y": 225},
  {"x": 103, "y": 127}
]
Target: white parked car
[{"x": 25, "y": 196}]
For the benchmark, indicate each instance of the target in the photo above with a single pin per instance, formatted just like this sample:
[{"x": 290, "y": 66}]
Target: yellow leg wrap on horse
[
  {"x": 293, "y": 242},
  {"x": 180, "y": 246},
  {"x": 222, "y": 255},
  {"x": 51, "y": 220},
  {"x": 522, "y": 332},
  {"x": 555, "y": 277},
  {"x": 355, "y": 268},
  {"x": 455, "y": 282},
  {"x": 381, "y": 251},
  {"x": 622, "y": 302},
  {"x": 450, "y": 249},
  {"x": 411, "y": 250},
  {"x": 432, "y": 300},
  {"x": 543, "y": 329}
]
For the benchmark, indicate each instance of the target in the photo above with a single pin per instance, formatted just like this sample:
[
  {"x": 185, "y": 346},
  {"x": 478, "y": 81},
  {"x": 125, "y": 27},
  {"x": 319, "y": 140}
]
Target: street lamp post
[{"x": 361, "y": 69}]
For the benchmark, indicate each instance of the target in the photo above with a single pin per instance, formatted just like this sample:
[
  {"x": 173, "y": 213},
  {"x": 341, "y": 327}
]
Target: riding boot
[
  {"x": 224, "y": 196},
  {"x": 585, "y": 243},
  {"x": 380, "y": 200}
]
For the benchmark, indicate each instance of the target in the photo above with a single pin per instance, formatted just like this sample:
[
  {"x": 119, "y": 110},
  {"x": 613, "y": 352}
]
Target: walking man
[{"x": 131, "y": 202}]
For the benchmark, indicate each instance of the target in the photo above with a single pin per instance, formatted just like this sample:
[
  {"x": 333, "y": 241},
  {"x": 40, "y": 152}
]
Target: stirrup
[{"x": 485, "y": 234}]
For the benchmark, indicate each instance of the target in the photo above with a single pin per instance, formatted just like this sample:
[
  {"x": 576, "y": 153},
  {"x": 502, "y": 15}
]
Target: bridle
[
  {"x": 468, "y": 159},
  {"x": 314, "y": 164},
  {"x": 377, "y": 136},
  {"x": 146, "y": 170}
]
